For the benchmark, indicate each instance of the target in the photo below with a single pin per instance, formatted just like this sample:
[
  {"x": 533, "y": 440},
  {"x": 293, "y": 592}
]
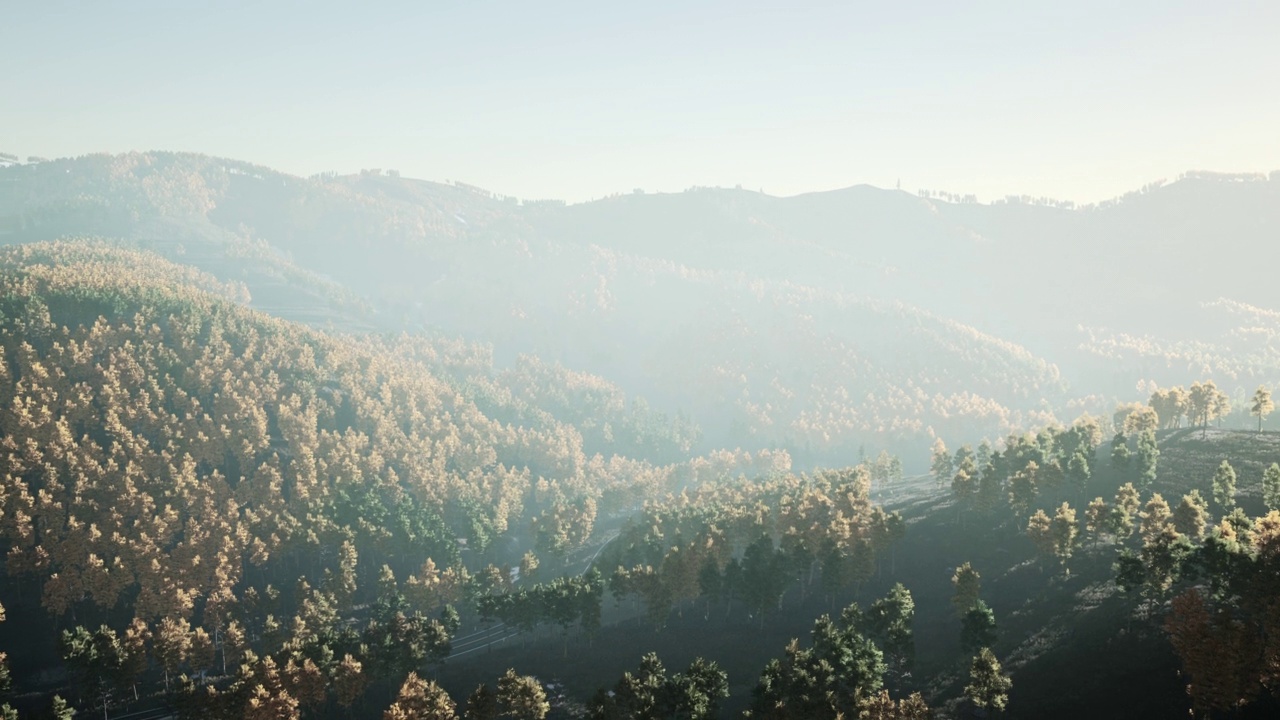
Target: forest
[{"x": 366, "y": 446}]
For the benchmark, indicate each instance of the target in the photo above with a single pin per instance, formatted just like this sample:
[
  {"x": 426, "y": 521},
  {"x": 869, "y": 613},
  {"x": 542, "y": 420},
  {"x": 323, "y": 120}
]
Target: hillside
[
  {"x": 821, "y": 323},
  {"x": 165, "y": 448},
  {"x": 215, "y": 488}
]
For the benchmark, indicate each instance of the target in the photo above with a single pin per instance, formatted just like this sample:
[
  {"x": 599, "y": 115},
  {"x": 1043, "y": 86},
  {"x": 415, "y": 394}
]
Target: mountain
[{"x": 819, "y": 323}]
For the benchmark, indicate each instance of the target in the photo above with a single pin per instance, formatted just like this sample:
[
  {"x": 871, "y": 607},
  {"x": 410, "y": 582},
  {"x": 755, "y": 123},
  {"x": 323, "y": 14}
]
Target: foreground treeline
[
  {"x": 1197, "y": 566},
  {"x": 747, "y": 543}
]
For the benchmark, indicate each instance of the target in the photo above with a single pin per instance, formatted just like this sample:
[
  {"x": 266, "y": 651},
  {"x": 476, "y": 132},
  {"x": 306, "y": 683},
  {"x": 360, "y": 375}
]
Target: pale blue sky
[{"x": 1074, "y": 99}]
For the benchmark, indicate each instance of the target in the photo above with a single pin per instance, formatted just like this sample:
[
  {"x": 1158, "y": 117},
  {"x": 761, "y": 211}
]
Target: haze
[
  {"x": 1078, "y": 101},
  {"x": 466, "y": 361}
]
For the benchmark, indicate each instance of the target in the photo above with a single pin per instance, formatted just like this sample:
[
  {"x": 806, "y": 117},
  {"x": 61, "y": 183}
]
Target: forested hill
[
  {"x": 819, "y": 323},
  {"x": 163, "y": 444}
]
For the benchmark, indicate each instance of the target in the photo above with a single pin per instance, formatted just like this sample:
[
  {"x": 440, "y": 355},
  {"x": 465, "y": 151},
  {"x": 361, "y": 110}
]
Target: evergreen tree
[
  {"x": 349, "y": 681},
  {"x": 482, "y": 704},
  {"x": 1063, "y": 533},
  {"x": 983, "y": 455},
  {"x": 1079, "y": 471},
  {"x": 1120, "y": 455},
  {"x": 1121, "y": 520},
  {"x": 888, "y": 622},
  {"x": 978, "y": 628},
  {"x": 697, "y": 692},
  {"x": 521, "y": 697},
  {"x": 61, "y": 710},
  {"x": 1040, "y": 532},
  {"x": 988, "y": 687},
  {"x": 1191, "y": 515},
  {"x": 1262, "y": 405},
  {"x": 1148, "y": 457},
  {"x": 1023, "y": 488},
  {"x": 968, "y": 584},
  {"x": 1097, "y": 519},
  {"x": 1271, "y": 487},
  {"x": 421, "y": 699},
  {"x": 1224, "y": 487},
  {"x": 963, "y": 487},
  {"x": 941, "y": 468}
]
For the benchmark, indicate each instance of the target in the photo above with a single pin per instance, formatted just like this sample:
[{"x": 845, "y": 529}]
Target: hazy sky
[{"x": 1072, "y": 99}]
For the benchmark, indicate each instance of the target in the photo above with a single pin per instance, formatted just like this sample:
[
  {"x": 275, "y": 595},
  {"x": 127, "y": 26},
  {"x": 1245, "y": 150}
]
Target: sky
[{"x": 1074, "y": 100}]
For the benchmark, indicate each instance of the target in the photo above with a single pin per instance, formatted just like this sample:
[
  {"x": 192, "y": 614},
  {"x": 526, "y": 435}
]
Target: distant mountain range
[{"x": 825, "y": 323}]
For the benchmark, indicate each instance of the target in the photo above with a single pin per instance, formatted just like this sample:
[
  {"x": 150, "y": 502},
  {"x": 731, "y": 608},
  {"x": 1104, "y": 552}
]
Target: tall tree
[
  {"x": 1120, "y": 454},
  {"x": 964, "y": 486},
  {"x": 1063, "y": 531},
  {"x": 988, "y": 687},
  {"x": 1262, "y": 405},
  {"x": 1023, "y": 488},
  {"x": 1148, "y": 458},
  {"x": 349, "y": 681},
  {"x": 1271, "y": 487},
  {"x": 1207, "y": 403},
  {"x": 482, "y": 704},
  {"x": 888, "y": 622},
  {"x": 1097, "y": 519},
  {"x": 825, "y": 681},
  {"x": 1127, "y": 503},
  {"x": 968, "y": 584},
  {"x": 1155, "y": 517},
  {"x": 1216, "y": 650},
  {"x": 421, "y": 699},
  {"x": 61, "y": 710},
  {"x": 978, "y": 628},
  {"x": 1040, "y": 532},
  {"x": 172, "y": 642},
  {"x": 1191, "y": 516},
  {"x": 97, "y": 661},
  {"x": 1224, "y": 486},
  {"x": 521, "y": 697},
  {"x": 696, "y": 693},
  {"x": 942, "y": 469}
]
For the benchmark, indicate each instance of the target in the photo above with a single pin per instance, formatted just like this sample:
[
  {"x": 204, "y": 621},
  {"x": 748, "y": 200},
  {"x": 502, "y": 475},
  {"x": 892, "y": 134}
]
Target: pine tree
[
  {"x": 1148, "y": 458},
  {"x": 1040, "y": 532},
  {"x": 1079, "y": 470},
  {"x": 1262, "y": 405},
  {"x": 421, "y": 699},
  {"x": 172, "y": 642},
  {"x": 1097, "y": 519},
  {"x": 1063, "y": 533},
  {"x": 1120, "y": 455},
  {"x": 528, "y": 565},
  {"x": 1215, "y": 649},
  {"x": 1191, "y": 516},
  {"x": 1120, "y": 522},
  {"x": 941, "y": 468},
  {"x": 888, "y": 622},
  {"x": 61, "y": 710},
  {"x": 988, "y": 687},
  {"x": 349, "y": 681},
  {"x": 968, "y": 584},
  {"x": 1224, "y": 487},
  {"x": 963, "y": 487},
  {"x": 1271, "y": 487},
  {"x": 1023, "y": 488},
  {"x": 522, "y": 697},
  {"x": 696, "y": 693},
  {"x": 977, "y": 628},
  {"x": 482, "y": 704},
  {"x": 1155, "y": 517}
]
